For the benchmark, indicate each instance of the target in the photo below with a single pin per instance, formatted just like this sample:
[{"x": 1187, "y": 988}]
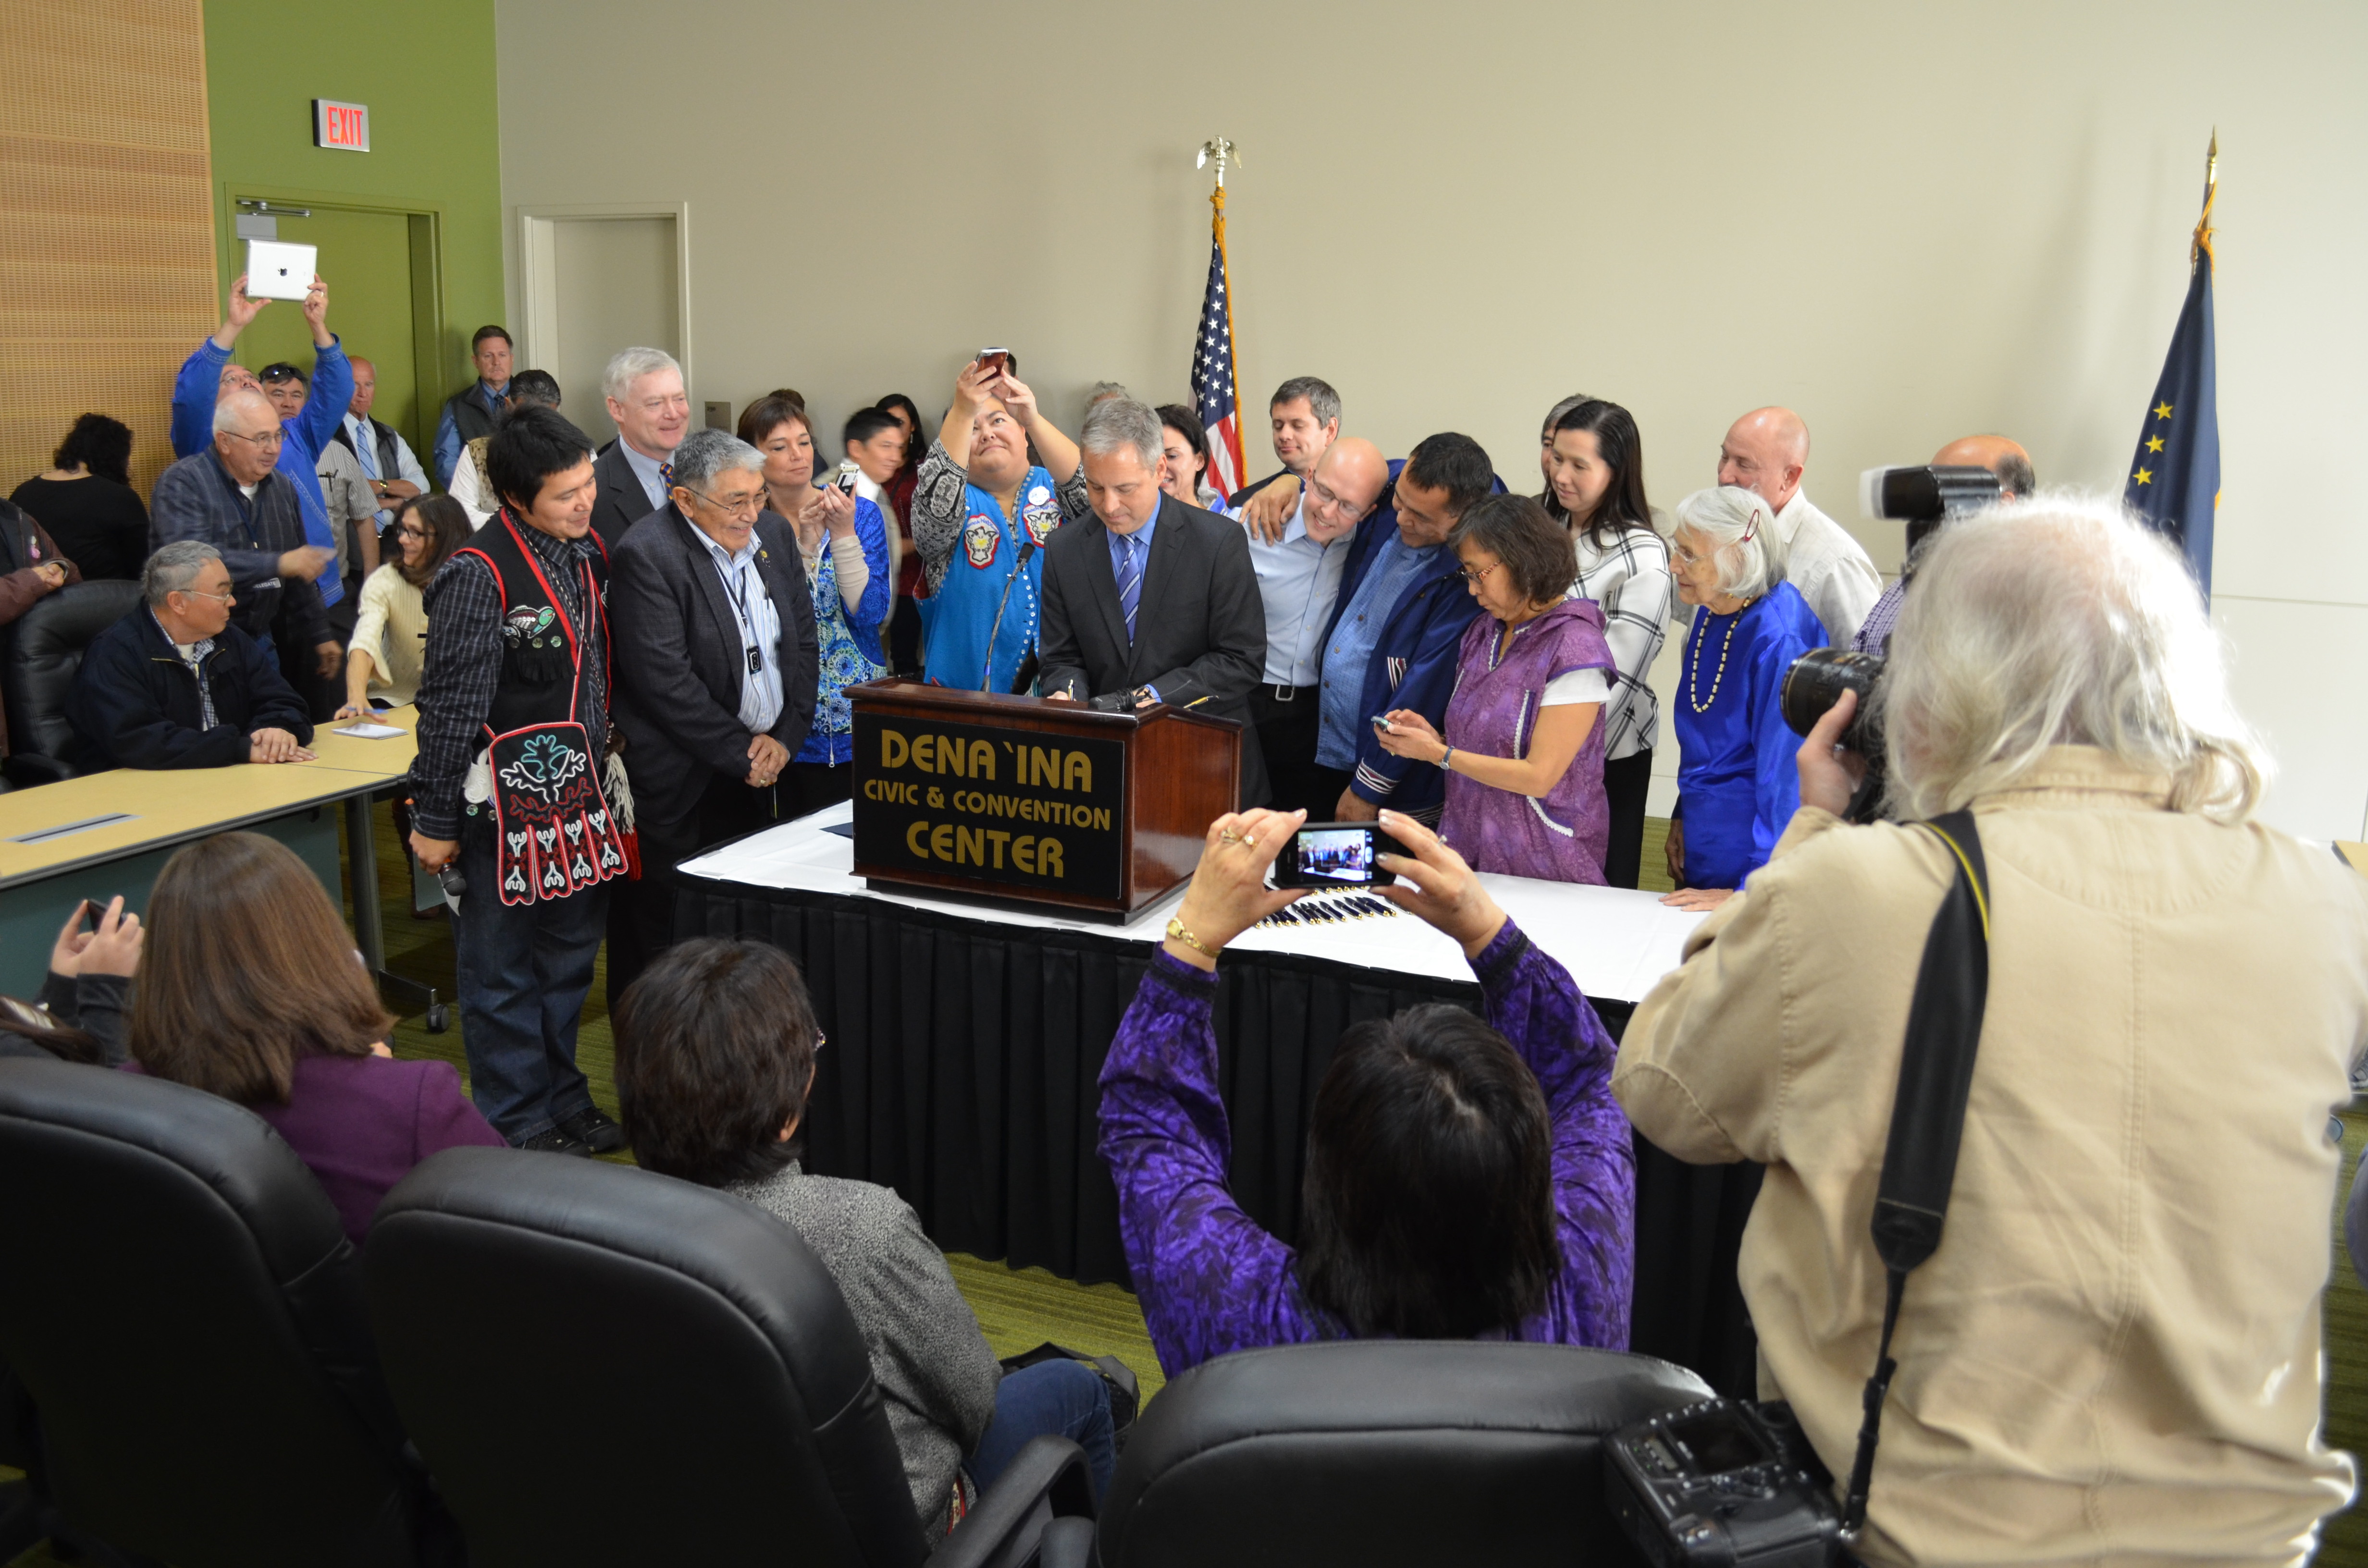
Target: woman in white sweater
[
  {"x": 391, "y": 629},
  {"x": 1595, "y": 486}
]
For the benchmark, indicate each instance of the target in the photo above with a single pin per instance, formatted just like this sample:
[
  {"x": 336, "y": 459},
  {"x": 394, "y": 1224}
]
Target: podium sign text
[{"x": 1035, "y": 811}]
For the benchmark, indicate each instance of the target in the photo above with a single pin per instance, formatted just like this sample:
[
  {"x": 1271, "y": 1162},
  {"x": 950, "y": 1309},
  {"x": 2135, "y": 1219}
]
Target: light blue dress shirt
[
  {"x": 1351, "y": 648},
  {"x": 646, "y": 470},
  {"x": 1140, "y": 539},
  {"x": 760, "y": 628},
  {"x": 1298, "y": 578}
]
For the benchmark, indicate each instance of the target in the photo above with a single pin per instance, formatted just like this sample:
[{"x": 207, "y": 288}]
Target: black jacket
[
  {"x": 620, "y": 501},
  {"x": 135, "y": 703},
  {"x": 1199, "y": 625},
  {"x": 680, "y": 664}
]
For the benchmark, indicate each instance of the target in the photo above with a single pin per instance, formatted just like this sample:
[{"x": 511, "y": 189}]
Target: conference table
[
  {"x": 964, "y": 1043},
  {"x": 105, "y": 834}
]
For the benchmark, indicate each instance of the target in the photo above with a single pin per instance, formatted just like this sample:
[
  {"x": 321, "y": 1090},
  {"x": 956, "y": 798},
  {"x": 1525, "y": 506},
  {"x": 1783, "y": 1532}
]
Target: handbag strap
[{"x": 1928, "y": 1115}]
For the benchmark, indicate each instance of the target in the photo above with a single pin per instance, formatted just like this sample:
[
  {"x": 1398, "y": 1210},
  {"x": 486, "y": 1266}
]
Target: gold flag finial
[
  {"x": 1223, "y": 152},
  {"x": 2202, "y": 245}
]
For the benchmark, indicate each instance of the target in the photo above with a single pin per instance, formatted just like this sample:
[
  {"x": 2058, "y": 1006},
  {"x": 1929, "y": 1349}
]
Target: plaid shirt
[
  {"x": 1630, "y": 580},
  {"x": 196, "y": 499},
  {"x": 1874, "y": 632},
  {"x": 463, "y": 664}
]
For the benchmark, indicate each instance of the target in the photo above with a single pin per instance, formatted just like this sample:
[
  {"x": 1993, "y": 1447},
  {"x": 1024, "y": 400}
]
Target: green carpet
[{"x": 1021, "y": 1308}]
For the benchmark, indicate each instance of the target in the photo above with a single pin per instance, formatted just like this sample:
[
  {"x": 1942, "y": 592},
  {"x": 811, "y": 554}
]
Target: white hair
[
  {"x": 630, "y": 365},
  {"x": 1740, "y": 528},
  {"x": 705, "y": 453},
  {"x": 2060, "y": 620},
  {"x": 1117, "y": 421},
  {"x": 175, "y": 570},
  {"x": 226, "y": 408}
]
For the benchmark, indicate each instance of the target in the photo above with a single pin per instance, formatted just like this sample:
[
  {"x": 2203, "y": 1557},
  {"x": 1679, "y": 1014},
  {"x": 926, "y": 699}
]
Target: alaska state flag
[{"x": 2174, "y": 480}]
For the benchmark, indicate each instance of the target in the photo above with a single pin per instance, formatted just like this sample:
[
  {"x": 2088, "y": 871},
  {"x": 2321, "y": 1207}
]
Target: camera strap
[{"x": 1928, "y": 1116}]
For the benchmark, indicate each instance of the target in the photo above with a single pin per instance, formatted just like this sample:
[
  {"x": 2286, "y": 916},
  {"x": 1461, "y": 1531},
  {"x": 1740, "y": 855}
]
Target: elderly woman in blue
[
  {"x": 843, "y": 542},
  {"x": 1738, "y": 785},
  {"x": 982, "y": 512}
]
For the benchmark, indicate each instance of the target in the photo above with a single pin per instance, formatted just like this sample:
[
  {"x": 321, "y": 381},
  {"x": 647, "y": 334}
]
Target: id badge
[{"x": 756, "y": 661}]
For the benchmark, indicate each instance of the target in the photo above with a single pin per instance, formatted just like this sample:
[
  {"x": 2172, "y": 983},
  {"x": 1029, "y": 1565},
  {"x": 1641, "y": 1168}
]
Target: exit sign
[{"x": 345, "y": 126}]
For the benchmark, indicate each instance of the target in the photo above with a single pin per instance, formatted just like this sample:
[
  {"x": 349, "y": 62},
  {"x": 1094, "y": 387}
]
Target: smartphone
[
  {"x": 1336, "y": 855},
  {"x": 1382, "y": 723},
  {"x": 993, "y": 360},
  {"x": 845, "y": 480},
  {"x": 91, "y": 912}
]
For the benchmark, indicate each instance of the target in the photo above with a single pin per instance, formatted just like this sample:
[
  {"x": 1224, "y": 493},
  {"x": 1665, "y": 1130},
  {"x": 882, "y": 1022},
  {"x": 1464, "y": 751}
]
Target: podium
[{"x": 1019, "y": 800}]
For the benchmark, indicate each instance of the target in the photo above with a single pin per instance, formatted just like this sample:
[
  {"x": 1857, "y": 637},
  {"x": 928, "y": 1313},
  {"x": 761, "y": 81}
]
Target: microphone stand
[{"x": 986, "y": 676}]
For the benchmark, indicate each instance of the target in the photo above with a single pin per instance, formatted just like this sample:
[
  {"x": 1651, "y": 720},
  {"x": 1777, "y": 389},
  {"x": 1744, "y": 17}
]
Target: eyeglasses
[
  {"x": 738, "y": 505},
  {"x": 1332, "y": 499},
  {"x": 420, "y": 534},
  {"x": 265, "y": 441},
  {"x": 1472, "y": 574},
  {"x": 201, "y": 594}
]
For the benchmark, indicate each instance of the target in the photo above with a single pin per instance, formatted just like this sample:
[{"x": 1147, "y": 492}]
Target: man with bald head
[
  {"x": 1766, "y": 452},
  {"x": 386, "y": 459},
  {"x": 2001, "y": 457},
  {"x": 234, "y": 497},
  {"x": 1299, "y": 579}
]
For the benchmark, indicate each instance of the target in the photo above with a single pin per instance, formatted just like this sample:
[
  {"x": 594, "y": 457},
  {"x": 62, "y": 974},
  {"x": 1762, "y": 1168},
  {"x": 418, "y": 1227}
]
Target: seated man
[
  {"x": 1298, "y": 581},
  {"x": 715, "y": 1058},
  {"x": 2115, "y": 1355},
  {"x": 1150, "y": 598},
  {"x": 174, "y": 685}
]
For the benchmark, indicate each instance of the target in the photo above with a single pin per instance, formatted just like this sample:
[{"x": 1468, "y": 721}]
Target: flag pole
[
  {"x": 2201, "y": 245},
  {"x": 1222, "y": 151}
]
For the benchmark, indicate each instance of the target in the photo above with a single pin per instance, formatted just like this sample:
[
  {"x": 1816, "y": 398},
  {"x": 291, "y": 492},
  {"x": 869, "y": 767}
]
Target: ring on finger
[{"x": 1227, "y": 835}]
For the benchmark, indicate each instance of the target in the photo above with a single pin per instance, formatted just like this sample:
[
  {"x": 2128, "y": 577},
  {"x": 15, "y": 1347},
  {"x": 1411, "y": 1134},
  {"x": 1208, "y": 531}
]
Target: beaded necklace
[{"x": 1693, "y": 670}]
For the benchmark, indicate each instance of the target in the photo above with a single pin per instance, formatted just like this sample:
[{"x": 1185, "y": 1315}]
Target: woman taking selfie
[
  {"x": 249, "y": 988},
  {"x": 1737, "y": 783},
  {"x": 391, "y": 630},
  {"x": 1595, "y": 487},
  {"x": 1467, "y": 1177},
  {"x": 1523, "y": 749}
]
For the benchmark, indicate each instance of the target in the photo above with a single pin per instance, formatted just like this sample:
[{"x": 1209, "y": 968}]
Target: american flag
[{"x": 1212, "y": 367}]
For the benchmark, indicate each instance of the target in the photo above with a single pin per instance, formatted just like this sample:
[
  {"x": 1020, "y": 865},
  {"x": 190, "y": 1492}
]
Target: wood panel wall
[{"x": 107, "y": 231}]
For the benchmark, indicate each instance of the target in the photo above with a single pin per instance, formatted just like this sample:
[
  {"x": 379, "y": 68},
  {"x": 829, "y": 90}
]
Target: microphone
[{"x": 986, "y": 674}]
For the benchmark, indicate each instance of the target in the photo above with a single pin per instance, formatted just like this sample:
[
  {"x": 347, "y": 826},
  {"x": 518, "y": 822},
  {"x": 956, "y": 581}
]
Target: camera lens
[{"x": 1816, "y": 681}]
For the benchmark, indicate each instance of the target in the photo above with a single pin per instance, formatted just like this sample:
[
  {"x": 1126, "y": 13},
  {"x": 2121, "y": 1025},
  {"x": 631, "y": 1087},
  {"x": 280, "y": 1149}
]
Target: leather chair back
[
  {"x": 185, "y": 1313},
  {"x": 603, "y": 1364},
  {"x": 44, "y": 655},
  {"x": 1384, "y": 1452}
]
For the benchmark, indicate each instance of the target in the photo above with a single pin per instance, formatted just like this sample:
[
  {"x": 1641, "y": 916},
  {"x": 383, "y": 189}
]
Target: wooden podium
[{"x": 1021, "y": 800}]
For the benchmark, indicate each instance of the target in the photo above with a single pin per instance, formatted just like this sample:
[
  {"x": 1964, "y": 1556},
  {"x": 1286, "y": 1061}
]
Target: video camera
[{"x": 1925, "y": 497}]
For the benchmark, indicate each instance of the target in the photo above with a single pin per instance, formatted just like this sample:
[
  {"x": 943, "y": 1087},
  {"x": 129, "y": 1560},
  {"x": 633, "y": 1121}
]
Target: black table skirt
[{"x": 961, "y": 1070}]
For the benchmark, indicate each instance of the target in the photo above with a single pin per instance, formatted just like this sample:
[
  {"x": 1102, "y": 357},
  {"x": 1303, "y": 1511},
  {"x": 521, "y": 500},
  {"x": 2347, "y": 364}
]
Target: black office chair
[
  {"x": 1378, "y": 1454},
  {"x": 43, "y": 651},
  {"x": 605, "y": 1366},
  {"x": 184, "y": 1314}
]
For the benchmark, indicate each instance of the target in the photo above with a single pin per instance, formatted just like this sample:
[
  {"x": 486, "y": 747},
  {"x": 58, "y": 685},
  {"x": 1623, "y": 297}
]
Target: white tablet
[{"x": 279, "y": 270}]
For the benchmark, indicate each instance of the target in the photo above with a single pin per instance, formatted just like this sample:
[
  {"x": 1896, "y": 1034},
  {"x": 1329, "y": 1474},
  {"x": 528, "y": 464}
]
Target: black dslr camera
[
  {"x": 1722, "y": 1482},
  {"x": 1925, "y": 497},
  {"x": 1814, "y": 684}
]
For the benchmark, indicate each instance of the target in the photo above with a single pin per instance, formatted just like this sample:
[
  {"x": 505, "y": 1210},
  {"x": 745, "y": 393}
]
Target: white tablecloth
[{"x": 1616, "y": 942}]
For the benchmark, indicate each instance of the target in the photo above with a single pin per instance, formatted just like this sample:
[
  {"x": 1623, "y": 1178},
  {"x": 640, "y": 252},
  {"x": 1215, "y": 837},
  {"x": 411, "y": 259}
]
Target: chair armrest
[
  {"x": 28, "y": 769},
  {"x": 1068, "y": 1543},
  {"x": 1048, "y": 1480}
]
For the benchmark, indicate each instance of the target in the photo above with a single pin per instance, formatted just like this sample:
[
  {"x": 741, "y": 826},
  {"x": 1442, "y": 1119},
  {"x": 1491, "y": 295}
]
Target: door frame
[
  {"x": 537, "y": 271},
  {"x": 429, "y": 371}
]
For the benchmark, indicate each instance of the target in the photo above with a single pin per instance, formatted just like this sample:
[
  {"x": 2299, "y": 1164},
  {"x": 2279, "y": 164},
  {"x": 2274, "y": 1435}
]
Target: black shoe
[
  {"x": 594, "y": 1131},
  {"x": 556, "y": 1142}
]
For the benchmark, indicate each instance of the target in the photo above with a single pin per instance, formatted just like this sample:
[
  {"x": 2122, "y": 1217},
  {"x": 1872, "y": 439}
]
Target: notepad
[{"x": 369, "y": 732}]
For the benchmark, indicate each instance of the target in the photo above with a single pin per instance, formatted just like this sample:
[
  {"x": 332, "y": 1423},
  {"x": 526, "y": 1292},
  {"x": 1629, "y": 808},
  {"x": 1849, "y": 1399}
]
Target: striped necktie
[
  {"x": 1130, "y": 586},
  {"x": 665, "y": 477}
]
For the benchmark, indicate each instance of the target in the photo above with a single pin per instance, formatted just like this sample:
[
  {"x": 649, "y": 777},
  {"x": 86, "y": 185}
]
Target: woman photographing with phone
[{"x": 1522, "y": 750}]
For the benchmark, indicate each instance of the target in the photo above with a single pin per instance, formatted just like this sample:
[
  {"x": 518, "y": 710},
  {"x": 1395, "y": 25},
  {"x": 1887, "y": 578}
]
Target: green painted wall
[{"x": 426, "y": 69}]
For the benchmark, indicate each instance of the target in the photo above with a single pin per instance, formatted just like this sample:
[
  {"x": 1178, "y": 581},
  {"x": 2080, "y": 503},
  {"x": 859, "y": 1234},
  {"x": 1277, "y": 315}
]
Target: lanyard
[{"x": 737, "y": 584}]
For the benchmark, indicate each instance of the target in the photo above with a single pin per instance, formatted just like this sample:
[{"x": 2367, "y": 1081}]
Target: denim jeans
[
  {"x": 524, "y": 971},
  {"x": 1067, "y": 1399}
]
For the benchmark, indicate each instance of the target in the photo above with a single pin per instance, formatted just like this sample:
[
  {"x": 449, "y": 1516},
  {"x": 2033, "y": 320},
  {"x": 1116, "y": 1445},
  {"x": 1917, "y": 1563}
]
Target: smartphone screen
[{"x": 1335, "y": 855}]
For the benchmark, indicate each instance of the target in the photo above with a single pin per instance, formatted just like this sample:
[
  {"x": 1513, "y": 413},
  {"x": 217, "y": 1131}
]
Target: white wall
[{"x": 1908, "y": 221}]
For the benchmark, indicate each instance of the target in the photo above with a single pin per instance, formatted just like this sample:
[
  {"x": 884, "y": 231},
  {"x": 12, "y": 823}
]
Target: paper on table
[{"x": 369, "y": 732}]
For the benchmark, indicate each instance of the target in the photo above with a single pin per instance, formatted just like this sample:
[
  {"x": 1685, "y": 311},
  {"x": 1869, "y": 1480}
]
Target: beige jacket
[{"x": 2115, "y": 1355}]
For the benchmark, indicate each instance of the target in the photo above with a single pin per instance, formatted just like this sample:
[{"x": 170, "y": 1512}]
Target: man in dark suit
[
  {"x": 635, "y": 472},
  {"x": 1148, "y": 596},
  {"x": 716, "y": 672}
]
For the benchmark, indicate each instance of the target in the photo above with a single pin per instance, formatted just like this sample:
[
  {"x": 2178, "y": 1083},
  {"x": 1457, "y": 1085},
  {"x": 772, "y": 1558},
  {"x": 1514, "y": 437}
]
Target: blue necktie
[{"x": 1130, "y": 586}]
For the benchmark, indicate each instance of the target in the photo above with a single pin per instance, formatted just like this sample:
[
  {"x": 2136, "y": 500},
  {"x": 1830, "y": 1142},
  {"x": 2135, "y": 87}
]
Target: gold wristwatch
[{"x": 1176, "y": 933}]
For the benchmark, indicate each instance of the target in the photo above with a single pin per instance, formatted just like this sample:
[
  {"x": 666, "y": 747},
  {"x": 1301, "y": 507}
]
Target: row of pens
[{"x": 1331, "y": 911}]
